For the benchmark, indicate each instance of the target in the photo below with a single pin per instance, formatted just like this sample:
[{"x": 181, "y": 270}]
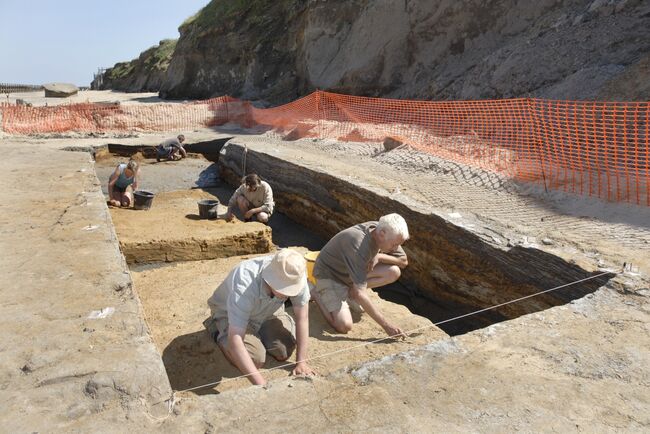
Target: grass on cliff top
[
  {"x": 156, "y": 57},
  {"x": 161, "y": 54},
  {"x": 219, "y": 11},
  {"x": 120, "y": 70}
]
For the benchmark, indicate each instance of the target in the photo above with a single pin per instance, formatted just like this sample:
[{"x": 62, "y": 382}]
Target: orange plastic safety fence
[
  {"x": 590, "y": 148},
  {"x": 88, "y": 117}
]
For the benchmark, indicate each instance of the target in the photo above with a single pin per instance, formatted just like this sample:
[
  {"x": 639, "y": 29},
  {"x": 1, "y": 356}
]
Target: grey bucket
[
  {"x": 208, "y": 208},
  {"x": 143, "y": 199}
]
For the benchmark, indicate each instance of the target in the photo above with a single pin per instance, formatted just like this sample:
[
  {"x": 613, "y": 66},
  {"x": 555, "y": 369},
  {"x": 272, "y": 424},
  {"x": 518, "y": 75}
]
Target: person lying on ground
[
  {"x": 171, "y": 149},
  {"x": 253, "y": 198},
  {"x": 122, "y": 183},
  {"x": 248, "y": 318},
  {"x": 367, "y": 255}
]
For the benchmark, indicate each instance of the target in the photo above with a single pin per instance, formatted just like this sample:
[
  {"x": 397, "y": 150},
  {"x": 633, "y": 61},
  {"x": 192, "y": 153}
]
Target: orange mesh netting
[{"x": 591, "y": 148}]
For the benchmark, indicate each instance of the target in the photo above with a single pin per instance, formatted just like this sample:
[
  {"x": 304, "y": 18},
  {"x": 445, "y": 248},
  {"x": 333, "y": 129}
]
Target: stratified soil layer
[{"x": 173, "y": 231}]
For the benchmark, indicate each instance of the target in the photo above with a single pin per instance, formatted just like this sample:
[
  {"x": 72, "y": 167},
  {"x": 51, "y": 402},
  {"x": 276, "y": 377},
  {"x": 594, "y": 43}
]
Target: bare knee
[
  {"x": 343, "y": 327},
  {"x": 394, "y": 273},
  {"x": 262, "y": 217}
]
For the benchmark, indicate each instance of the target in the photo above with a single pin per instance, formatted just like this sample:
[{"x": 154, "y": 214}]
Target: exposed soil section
[
  {"x": 173, "y": 231},
  {"x": 451, "y": 265},
  {"x": 175, "y": 297}
]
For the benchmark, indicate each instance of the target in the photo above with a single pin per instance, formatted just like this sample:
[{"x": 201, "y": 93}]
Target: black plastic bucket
[
  {"x": 208, "y": 208},
  {"x": 143, "y": 199}
]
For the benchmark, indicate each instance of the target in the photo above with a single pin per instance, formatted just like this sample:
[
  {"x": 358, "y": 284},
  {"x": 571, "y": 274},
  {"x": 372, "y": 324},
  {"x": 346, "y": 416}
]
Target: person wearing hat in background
[
  {"x": 248, "y": 318},
  {"x": 254, "y": 199},
  {"x": 171, "y": 149},
  {"x": 367, "y": 255}
]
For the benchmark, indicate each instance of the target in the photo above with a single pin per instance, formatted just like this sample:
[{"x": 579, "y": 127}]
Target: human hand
[
  {"x": 372, "y": 263},
  {"x": 248, "y": 214},
  {"x": 303, "y": 369},
  {"x": 394, "y": 332}
]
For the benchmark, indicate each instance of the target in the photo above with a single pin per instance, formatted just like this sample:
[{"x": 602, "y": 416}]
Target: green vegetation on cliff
[
  {"x": 227, "y": 11},
  {"x": 161, "y": 55},
  {"x": 120, "y": 70},
  {"x": 154, "y": 58}
]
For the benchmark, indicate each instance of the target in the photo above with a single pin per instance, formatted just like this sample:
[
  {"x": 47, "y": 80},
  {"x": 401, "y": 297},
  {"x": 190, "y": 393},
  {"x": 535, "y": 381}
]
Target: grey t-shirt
[
  {"x": 242, "y": 299},
  {"x": 168, "y": 144},
  {"x": 346, "y": 256}
]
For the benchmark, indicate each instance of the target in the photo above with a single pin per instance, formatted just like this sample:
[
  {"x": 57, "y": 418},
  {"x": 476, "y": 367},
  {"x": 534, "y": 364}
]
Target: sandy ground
[
  {"x": 157, "y": 177},
  {"x": 175, "y": 317},
  {"x": 97, "y": 96},
  {"x": 172, "y": 230},
  {"x": 74, "y": 344},
  {"x": 195, "y": 172},
  {"x": 175, "y": 304}
]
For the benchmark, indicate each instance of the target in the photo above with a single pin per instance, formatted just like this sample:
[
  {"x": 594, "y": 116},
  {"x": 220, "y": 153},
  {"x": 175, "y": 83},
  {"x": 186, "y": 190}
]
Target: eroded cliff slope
[{"x": 276, "y": 51}]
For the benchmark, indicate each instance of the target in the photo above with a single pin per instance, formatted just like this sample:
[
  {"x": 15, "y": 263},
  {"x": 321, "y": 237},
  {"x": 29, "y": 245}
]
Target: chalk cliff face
[{"x": 276, "y": 51}]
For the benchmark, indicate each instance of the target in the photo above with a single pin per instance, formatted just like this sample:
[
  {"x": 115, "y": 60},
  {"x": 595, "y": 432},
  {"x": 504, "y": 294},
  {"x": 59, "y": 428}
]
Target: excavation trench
[{"x": 177, "y": 260}]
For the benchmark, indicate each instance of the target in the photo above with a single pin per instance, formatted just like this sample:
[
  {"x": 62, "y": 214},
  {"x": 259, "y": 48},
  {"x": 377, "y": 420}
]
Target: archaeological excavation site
[
  {"x": 523, "y": 299},
  {"x": 513, "y": 294}
]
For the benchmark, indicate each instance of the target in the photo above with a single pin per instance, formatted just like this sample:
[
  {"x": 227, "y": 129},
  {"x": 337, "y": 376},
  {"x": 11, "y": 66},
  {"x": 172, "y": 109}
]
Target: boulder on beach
[{"x": 60, "y": 90}]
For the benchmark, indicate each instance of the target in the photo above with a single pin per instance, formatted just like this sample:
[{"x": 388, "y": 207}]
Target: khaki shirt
[
  {"x": 242, "y": 299},
  {"x": 346, "y": 256},
  {"x": 262, "y": 197}
]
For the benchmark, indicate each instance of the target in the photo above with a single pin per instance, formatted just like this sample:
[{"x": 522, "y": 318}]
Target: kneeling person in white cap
[{"x": 248, "y": 317}]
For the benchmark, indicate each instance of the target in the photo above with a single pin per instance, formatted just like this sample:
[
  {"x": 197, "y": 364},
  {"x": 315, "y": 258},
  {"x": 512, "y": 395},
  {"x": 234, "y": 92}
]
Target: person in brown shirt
[{"x": 367, "y": 255}]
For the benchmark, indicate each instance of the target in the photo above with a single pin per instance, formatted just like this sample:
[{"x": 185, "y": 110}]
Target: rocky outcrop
[
  {"x": 278, "y": 51},
  {"x": 144, "y": 74},
  {"x": 60, "y": 90}
]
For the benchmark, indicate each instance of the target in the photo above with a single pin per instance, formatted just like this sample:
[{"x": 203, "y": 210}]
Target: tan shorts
[
  {"x": 277, "y": 336},
  {"x": 332, "y": 294}
]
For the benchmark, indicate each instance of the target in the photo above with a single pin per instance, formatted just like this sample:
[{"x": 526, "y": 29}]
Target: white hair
[{"x": 394, "y": 225}]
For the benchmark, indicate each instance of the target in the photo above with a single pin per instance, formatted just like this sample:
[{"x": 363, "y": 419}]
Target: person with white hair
[
  {"x": 367, "y": 255},
  {"x": 248, "y": 318}
]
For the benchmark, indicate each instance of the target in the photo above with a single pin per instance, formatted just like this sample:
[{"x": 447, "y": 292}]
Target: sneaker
[{"x": 211, "y": 326}]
